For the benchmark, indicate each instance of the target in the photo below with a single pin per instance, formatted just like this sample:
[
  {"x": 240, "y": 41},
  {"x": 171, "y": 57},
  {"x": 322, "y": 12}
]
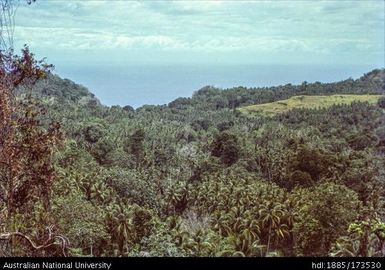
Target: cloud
[{"x": 254, "y": 27}]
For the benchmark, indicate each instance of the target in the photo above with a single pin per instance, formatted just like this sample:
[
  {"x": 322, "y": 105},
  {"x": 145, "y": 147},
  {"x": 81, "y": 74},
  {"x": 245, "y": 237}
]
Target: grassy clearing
[{"x": 306, "y": 102}]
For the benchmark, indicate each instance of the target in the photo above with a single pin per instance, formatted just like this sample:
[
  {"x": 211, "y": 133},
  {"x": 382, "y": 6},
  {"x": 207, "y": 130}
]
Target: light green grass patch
[{"x": 306, "y": 102}]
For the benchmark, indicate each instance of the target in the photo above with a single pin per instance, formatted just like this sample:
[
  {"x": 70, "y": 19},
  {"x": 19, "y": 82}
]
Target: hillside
[
  {"x": 162, "y": 180},
  {"x": 306, "y": 102},
  {"x": 213, "y": 98},
  {"x": 54, "y": 89}
]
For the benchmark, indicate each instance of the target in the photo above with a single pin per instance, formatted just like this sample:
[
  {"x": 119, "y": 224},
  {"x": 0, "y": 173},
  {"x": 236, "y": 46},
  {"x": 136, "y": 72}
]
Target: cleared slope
[{"x": 306, "y": 102}]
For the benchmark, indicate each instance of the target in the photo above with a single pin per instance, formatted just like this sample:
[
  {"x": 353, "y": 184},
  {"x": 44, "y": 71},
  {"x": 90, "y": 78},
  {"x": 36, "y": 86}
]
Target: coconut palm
[{"x": 270, "y": 215}]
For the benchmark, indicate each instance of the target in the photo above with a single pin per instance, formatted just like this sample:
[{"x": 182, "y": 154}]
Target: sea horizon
[{"x": 157, "y": 84}]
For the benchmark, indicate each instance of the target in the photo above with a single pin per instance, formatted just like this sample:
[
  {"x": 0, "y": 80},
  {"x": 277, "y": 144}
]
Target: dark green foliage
[
  {"x": 324, "y": 214},
  {"x": 102, "y": 150},
  {"x": 381, "y": 102},
  {"x": 225, "y": 125},
  {"x": 135, "y": 186},
  {"x": 141, "y": 222},
  {"x": 93, "y": 133},
  {"x": 201, "y": 124},
  {"x": 128, "y": 108},
  {"x": 226, "y": 147},
  {"x": 311, "y": 162},
  {"x": 53, "y": 88},
  {"x": 300, "y": 178},
  {"x": 362, "y": 142},
  {"x": 180, "y": 103},
  {"x": 134, "y": 145}
]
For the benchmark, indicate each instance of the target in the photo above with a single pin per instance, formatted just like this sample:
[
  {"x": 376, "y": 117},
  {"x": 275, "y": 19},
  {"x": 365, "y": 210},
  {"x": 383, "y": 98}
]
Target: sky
[{"x": 211, "y": 32}]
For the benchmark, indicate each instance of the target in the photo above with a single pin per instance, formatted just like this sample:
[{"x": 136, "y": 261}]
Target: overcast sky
[{"x": 231, "y": 32}]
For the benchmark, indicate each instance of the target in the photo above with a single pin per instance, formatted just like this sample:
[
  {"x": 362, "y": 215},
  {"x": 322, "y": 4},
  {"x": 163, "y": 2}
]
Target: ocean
[{"x": 137, "y": 85}]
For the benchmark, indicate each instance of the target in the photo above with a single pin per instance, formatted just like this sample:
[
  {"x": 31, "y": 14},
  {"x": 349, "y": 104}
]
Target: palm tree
[
  {"x": 123, "y": 231},
  {"x": 245, "y": 244},
  {"x": 270, "y": 216},
  {"x": 289, "y": 218},
  {"x": 346, "y": 247},
  {"x": 199, "y": 244},
  {"x": 120, "y": 226}
]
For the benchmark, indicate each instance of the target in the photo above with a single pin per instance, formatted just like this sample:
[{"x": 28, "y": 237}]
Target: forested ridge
[{"x": 195, "y": 177}]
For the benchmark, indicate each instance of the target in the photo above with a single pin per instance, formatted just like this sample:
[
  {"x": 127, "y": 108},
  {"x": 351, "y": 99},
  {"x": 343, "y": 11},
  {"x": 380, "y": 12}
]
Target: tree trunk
[{"x": 268, "y": 241}]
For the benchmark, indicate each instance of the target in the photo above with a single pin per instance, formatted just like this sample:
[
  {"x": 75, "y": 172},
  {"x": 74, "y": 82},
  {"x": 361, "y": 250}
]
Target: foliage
[
  {"x": 26, "y": 157},
  {"x": 225, "y": 146},
  {"x": 195, "y": 177},
  {"x": 381, "y": 102},
  {"x": 366, "y": 239},
  {"x": 315, "y": 230}
]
